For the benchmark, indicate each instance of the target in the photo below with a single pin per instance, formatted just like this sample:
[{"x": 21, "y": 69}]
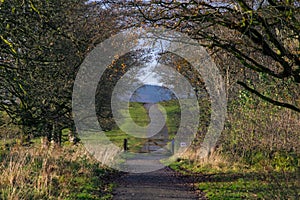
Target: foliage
[
  {"x": 256, "y": 131},
  {"x": 42, "y": 46},
  {"x": 7, "y": 129},
  {"x": 118, "y": 67},
  {"x": 261, "y": 35}
]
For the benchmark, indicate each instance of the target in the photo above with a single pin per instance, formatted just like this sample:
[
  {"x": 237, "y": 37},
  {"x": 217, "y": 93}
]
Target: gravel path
[{"x": 162, "y": 184}]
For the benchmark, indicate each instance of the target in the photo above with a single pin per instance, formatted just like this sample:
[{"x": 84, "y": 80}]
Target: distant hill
[{"x": 152, "y": 94}]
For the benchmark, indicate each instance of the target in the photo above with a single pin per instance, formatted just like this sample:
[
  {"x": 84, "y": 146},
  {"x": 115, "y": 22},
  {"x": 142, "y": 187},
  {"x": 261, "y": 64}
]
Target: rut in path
[{"x": 157, "y": 185}]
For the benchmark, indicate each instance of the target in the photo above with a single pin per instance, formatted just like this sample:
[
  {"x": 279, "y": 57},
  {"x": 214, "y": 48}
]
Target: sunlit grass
[
  {"x": 139, "y": 115},
  {"x": 234, "y": 181}
]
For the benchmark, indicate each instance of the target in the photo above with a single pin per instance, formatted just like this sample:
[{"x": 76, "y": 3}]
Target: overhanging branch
[{"x": 268, "y": 99}]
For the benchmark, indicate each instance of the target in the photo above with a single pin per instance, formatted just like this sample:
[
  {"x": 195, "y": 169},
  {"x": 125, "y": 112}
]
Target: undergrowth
[{"x": 66, "y": 172}]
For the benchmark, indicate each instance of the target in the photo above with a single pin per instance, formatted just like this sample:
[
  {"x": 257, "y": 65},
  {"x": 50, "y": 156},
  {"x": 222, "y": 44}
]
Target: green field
[{"x": 139, "y": 115}]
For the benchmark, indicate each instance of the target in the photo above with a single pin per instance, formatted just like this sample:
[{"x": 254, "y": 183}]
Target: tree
[
  {"x": 42, "y": 46},
  {"x": 262, "y": 35},
  {"x": 132, "y": 60}
]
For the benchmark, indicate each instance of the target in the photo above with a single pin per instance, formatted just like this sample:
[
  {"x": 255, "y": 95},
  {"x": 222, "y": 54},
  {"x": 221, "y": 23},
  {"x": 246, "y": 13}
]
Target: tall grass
[{"x": 54, "y": 173}]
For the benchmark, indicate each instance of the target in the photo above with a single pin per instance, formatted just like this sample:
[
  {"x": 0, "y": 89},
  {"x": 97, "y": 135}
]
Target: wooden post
[
  {"x": 172, "y": 146},
  {"x": 125, "y": 145}
]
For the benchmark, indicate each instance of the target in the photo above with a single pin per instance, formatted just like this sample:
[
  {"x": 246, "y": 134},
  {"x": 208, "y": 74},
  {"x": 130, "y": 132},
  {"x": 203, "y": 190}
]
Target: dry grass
[
  {"x": 52, "y": 173},
  {"x": 16, "y": 177},
  {"x": 215, "y": 160}
]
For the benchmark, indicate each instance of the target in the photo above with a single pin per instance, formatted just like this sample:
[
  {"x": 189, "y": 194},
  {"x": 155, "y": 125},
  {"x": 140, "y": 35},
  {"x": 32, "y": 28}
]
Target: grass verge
[
  {"x": 66, "y": 172},
  {"x": 234, "y": 181}
]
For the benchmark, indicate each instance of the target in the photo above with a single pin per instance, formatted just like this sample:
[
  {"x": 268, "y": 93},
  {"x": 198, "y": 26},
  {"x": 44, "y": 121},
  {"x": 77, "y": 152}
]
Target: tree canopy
[
  {"x": 44, "y": 42},
  {"x": 42, "y": 46},
  {"x": 262, "y": 36}
]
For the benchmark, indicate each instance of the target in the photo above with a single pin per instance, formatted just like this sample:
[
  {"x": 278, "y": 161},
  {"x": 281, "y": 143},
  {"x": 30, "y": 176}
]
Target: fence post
[
  {"x": 172, "y": 146},
  {"x": 125, "y": 145}
]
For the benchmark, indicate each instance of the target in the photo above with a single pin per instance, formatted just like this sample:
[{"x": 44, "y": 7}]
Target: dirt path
[{"x": 162, "y": 184}]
